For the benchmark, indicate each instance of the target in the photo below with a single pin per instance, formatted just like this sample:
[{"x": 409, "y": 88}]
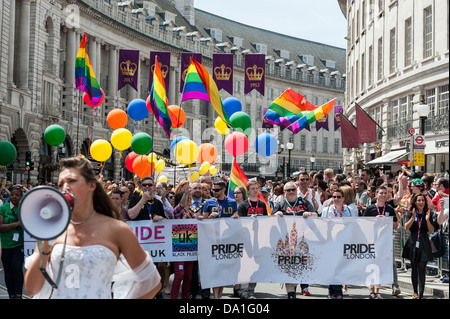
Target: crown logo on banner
[
  {"x": 164, "y": 69},
  {"x": 223, "y": 73},
  {"x": 128, "y": 68},
  {"x": 257, "y": 74}
]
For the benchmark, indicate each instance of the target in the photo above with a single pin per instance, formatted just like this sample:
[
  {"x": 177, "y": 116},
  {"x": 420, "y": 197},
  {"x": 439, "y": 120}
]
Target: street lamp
[
  {"x": 312, "y": 160},
  {"x": 284, "y": 159},
  {"x": 290, "y": 147},
  {"x": 423, "y": 110}
]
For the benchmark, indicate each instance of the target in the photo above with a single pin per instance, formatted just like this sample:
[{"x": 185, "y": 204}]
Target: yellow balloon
[
  {"x": 121, "y": 139},
  {"x": 205, "y": 166},
  {"x": 213, "y": 170},
  {"x": 194, "y": 176},
  {"x": 202, "y": 171},
  {"x": 160, "y": 165},
  {"x": 221, "y": 126},
  {"x": 186, "y": 152},
  {"x": 152, "y": 158},
  {"x": 162, "y": 178},
  {"x": 101, "y": 150}
]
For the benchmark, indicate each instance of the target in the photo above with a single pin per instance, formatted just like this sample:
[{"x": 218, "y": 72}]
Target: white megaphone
[{"x": 45, "y": 212}]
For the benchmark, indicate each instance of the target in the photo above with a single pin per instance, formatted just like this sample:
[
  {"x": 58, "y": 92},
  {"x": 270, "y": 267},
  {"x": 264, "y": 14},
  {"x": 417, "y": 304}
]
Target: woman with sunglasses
[{"x": 337, "y": 209}]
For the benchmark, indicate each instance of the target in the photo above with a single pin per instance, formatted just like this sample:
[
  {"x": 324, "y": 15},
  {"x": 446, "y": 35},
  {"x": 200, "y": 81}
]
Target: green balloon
[
  {"x": 8, "y": 153},
  {"x": 241, "y": 122},
  {"x": 141, "y": 143},
  {"x": 54, "y": 135}
]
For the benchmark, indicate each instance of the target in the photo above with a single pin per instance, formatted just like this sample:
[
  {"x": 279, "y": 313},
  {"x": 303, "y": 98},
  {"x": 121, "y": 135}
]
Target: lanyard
[
  {"x": 419, "y": 222},
  {"x": 149, "y": 207},
  {"x": 293, "y": 211},
  {"x": 254, "y": 210},
  {"x": 384, "y": 208},
  {"x": 219, "y": 208},
  {"x": 336, "y": 212}
]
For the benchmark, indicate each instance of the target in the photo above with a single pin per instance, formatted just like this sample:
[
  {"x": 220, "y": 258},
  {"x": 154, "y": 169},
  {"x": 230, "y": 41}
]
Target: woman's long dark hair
[
  {"x": 102, "y": 202},
  {"x": 414, "y": 202}
]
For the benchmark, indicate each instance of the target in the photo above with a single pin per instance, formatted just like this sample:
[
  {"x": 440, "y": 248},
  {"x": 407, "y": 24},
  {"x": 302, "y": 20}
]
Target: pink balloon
[
  {"x": 236, "y": 144},
  {"x": 129, "y": 161}
]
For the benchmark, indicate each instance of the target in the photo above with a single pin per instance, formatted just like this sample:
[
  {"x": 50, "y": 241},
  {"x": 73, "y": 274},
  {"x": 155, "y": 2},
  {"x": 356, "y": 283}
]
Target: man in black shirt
[
  {"x": 146, "y": 207},
  {"x": 381, "y": 209},
  {"x": 252, "y": 206}
]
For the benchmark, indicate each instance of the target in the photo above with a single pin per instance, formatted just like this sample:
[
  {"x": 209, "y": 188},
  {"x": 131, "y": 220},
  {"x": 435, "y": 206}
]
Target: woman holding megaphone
[{"x": 94, "y": 246}]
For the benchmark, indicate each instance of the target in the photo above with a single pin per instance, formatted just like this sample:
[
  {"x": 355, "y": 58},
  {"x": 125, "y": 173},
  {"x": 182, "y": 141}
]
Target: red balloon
[
  {"x": 149, "y": 107},
  {"x": 129, "y": 161},
  {"x": 142, "y": 167},
  {"x": 177, "y": 116},
  {"x": 87, "y": 100},
  {"x": 236, "y": 144}
]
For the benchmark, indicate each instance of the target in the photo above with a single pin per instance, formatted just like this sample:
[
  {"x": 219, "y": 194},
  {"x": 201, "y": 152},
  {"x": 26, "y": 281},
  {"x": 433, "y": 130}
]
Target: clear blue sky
[{"x": 316, "y": 20}]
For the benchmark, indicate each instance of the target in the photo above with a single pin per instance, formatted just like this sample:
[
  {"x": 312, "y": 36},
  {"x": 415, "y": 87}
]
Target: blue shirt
[
  {"x": 225, "y": 208},
  {"x": 330, "y": 211}
]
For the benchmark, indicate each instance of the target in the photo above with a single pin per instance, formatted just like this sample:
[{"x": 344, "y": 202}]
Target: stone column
[
  {"x": 71, "y": 53},
  {"x": 24, "y": 44},
  {"x": 12, "y": 24},
  {"x": 112, "y": 72}
]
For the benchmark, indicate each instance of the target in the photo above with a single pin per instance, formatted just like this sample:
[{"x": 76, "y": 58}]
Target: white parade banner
[
  {"x": 166, "y": 240},
  {"x": 289, "y": 249}
]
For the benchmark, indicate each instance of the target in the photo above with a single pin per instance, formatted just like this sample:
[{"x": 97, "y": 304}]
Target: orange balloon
[
  {"x": 142, "y": 167},
  {"x": 117, "y": 118},
  {"x": 207, "y": 153},
  {"x": 177, "y": 116}
]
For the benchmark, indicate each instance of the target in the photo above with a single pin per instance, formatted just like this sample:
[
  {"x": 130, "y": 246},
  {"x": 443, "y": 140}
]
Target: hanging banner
[
  {"x": 322, "y": 123},
  {"x": 128, "y": 68},
  {"x": 337, "y": 116},
  {"x": 291, "y": 249},
  {"x": 164, "y": 64},
  {"x": 185, "y": 62},
  {"x": 255, "y": 69},
  {"x": 223, "y": 71}
]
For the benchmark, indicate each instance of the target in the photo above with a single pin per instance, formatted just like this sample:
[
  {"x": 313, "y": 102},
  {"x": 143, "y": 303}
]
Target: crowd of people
[{"x": 417, "y": 199}]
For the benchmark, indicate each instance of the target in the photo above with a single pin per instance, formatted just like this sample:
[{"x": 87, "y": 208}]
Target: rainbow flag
[
  {"x": 158, "y": 100},
  {"x": 312, "y": 116},
  {"x": 238, "y": 178},
  {"x": 84, "y": 74},
  {"x": 193, "y": 86},
  {"x": 212, "y": 90},
  {"x": 289, "y": 108}
]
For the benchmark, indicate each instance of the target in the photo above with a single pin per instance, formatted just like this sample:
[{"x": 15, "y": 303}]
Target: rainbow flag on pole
[
  {"x": 84, "y": 74},
  {"x": 238, "y": 178},
  {"x": 158, "y": 99},
  {"x": 211, "y": 89}
]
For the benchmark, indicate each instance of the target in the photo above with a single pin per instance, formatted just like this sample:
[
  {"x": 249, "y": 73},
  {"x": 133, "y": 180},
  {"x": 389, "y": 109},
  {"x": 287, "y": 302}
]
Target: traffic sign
[
  {"x": 419, "y": 159},
  {"x": 419, "y": 141},
  {"x": 412, "y": 131}
]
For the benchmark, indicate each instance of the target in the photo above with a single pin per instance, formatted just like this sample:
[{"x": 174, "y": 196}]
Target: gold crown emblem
[
  {"x": 257, "y": 74},
  {"x": 164, "y": 69},
  {"x": 223, "y": 73},
  {"x": 128, "y": 68}
]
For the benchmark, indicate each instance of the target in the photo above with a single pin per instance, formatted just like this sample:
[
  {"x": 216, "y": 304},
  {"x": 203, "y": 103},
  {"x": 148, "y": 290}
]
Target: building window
[
  {"x": 325, "y": 144},
  {"x": 408, "y": 42},
  {"x": 337, "y": 144},
  {"x": 314, "y": 144},
  {"x": 302, "y": 142},
  {"x": 394, "y": 114},
  {"x": 403, "y": 109},
  {"x": 380, "y": 58},
  {"x": 443, "y": 100},
  {"x": 427, "y": 33},
  {"x": 370, "y": 69},
  {"x": 363, "y": 72},
  {"x": 392, "y": 52},
  {"x": 430, "y": 99}
]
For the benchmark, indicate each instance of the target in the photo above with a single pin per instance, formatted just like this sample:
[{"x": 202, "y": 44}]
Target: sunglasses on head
[{"x": 147, "y": 185}]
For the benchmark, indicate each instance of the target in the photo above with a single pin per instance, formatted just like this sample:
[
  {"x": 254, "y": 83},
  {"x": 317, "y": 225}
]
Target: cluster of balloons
[{"x": 236, "y": 143}]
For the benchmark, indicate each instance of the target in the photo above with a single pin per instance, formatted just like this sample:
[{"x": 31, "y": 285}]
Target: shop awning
[{"x": 389, "y": 158}]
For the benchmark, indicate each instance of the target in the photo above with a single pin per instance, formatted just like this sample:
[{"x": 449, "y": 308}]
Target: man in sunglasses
[
  {"x": 294, "y": 205},
  {"x": 307, "y": 193},
  {"x": 146, "y": 206}
]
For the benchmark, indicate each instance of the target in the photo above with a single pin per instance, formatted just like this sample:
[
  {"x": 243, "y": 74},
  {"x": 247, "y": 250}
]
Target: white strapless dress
[{"x": 87, "y": 272}]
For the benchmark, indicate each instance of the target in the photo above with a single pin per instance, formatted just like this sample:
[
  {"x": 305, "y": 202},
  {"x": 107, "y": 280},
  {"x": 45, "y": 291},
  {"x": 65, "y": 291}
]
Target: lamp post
[
  {"x": 284, "y": 159},
  {"x": 290, "y": 147},
  {"x": 312, "y": 160},
  {"x": 423, "y": 110}
]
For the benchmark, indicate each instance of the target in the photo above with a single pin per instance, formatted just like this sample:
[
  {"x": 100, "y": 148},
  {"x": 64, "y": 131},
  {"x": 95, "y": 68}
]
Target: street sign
[
  {"x": 419, "y": 141},
  {"x": 419, "y": 159},
  {"x": 412, "y": 131}
]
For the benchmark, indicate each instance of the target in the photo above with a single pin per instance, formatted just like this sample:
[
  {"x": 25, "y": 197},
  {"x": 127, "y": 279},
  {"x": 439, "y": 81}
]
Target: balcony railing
[{"x": 399, "y": 130}]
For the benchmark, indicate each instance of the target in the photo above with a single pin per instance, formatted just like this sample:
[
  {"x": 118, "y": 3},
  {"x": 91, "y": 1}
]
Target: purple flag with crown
[
  {"x": 322, "y": 123},
  {"x": 128, "y": 68},
  {"x": 337, "y": 116},
  {"x": 223, "y": 71},
  {"x": 255, "y": 73}
]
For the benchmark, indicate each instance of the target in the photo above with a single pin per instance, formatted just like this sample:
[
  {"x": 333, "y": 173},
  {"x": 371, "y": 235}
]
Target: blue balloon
[
  {"x": 266, "y": 144},
  {"x": 137, "y": 109},
  {"x": 231, "y": 105}
]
